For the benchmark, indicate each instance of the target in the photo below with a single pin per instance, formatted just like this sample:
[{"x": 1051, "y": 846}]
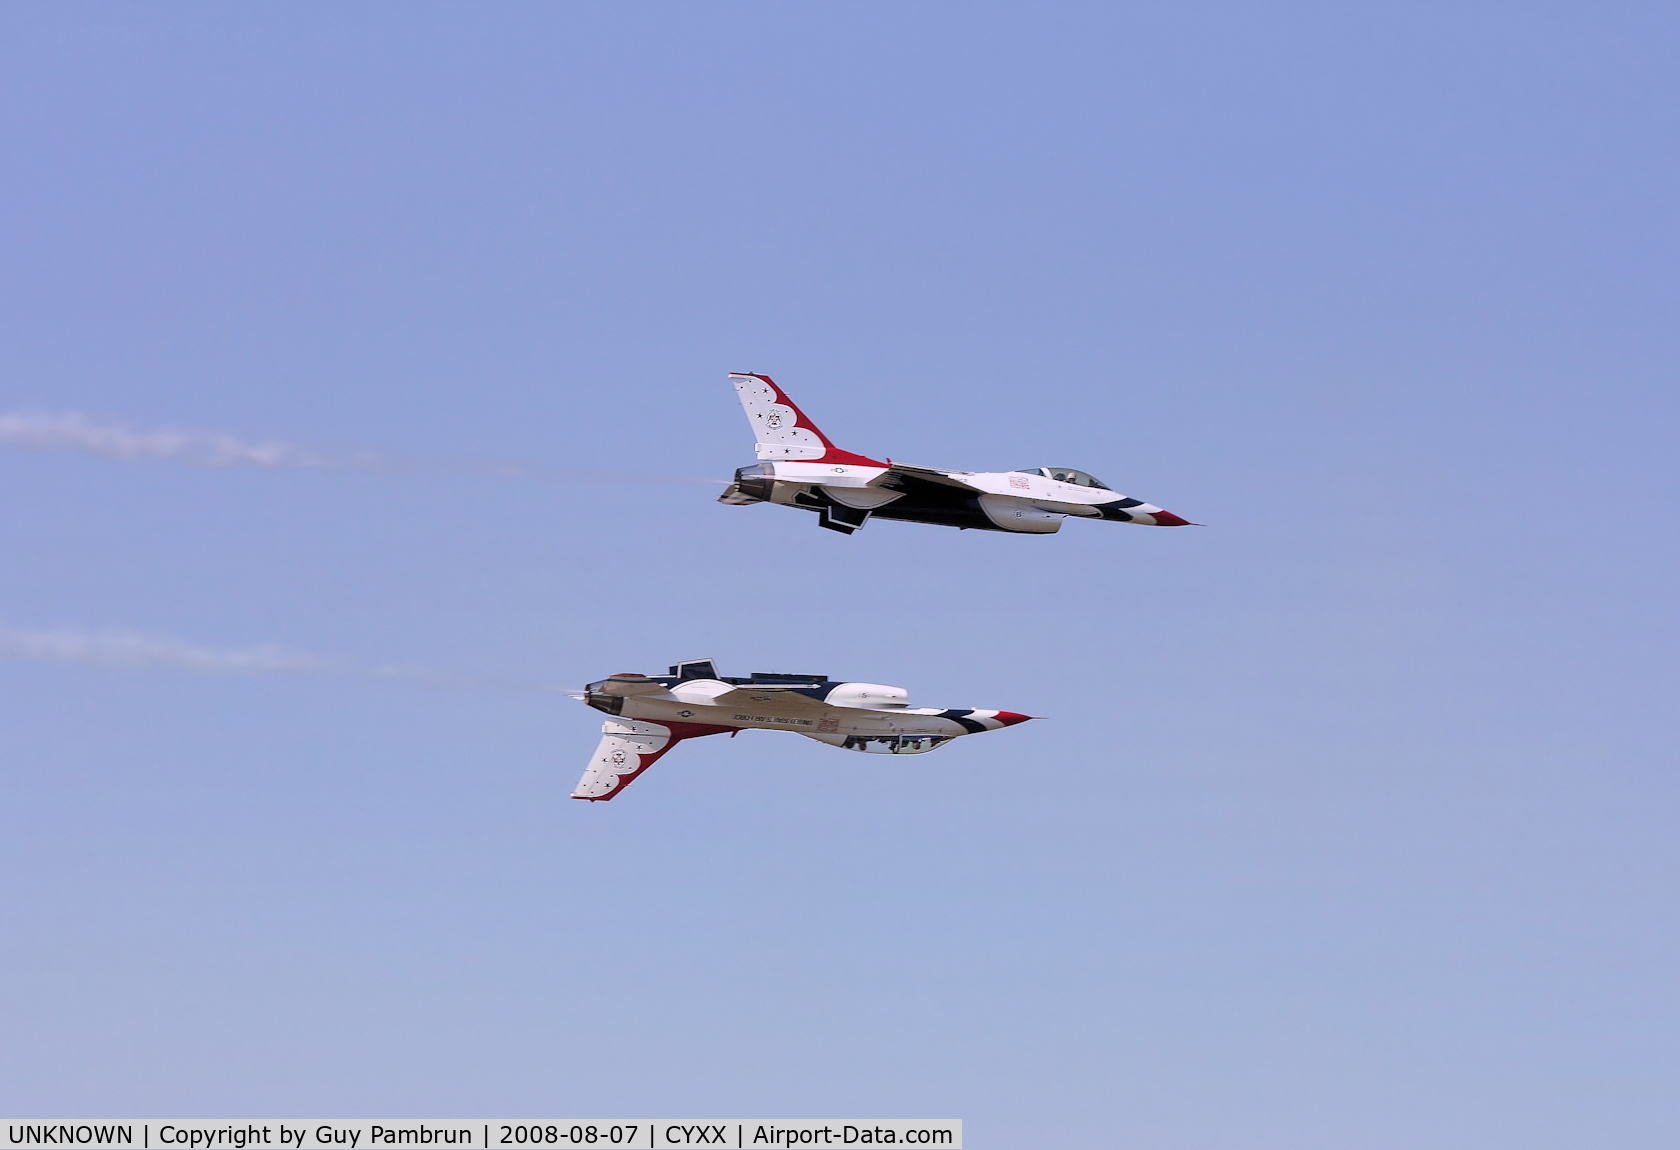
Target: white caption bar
[{"x": 481, "y": 1134}]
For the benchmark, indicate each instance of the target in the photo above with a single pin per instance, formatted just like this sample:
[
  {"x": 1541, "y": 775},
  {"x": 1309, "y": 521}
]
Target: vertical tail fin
[
  {"x": 627, "y": 748},
  {"x": 782, "y": 430},
  {"x": 625, "y": 751}
]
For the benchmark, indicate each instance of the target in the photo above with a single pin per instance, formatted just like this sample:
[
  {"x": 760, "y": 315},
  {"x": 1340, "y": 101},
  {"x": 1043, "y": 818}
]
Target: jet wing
[
  {"x": 926, "y": 475},
  {"x": 784, "y": 699}
]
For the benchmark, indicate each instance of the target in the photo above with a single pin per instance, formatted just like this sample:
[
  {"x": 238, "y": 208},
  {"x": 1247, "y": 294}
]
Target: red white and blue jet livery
[
  {"x": 799, "y": 467},
  {"x": 650, "y": 714}
]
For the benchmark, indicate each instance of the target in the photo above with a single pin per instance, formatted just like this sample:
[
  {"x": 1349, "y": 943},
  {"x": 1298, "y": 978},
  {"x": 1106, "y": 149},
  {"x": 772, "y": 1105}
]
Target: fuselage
[
  {"x": 647, "y": 715},
  {"x": 869, "y": 717},
  {"x": 1031, "y": 501},
  {"x": 800, "y": 467}
]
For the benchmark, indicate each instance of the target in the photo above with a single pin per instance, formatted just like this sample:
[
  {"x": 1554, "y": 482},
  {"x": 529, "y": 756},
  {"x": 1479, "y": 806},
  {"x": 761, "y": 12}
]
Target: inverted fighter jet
[
  {"x": 650, "y": 714},
  {"x": 799, "y": 467}
]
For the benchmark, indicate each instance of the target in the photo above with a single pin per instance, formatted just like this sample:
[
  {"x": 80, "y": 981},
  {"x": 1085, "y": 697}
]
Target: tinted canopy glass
[{"x": 1069, "y": 475}]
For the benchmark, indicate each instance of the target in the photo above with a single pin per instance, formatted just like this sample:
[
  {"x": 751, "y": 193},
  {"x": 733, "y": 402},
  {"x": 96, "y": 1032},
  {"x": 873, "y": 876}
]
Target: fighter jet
[
  {"x": 800, "y": 468},
  {"x": 650, "y": 714}
]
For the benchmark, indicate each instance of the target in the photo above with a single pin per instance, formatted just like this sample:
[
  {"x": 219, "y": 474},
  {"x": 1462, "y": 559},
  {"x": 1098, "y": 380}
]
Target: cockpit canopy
[{"x": 1068, "y": 475}]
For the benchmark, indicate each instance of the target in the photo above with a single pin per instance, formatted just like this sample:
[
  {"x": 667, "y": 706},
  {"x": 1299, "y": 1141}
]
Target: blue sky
[{"x": 1352, "y": 822}]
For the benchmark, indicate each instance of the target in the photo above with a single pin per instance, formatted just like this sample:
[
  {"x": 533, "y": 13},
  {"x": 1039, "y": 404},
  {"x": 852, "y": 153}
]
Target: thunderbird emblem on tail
[
  {"x": 799, "y": 467},
  {"x": 648, "y": 715}
]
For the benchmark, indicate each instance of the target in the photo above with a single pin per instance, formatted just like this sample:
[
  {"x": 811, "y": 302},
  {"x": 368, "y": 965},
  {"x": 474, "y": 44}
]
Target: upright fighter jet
[
  {"x": 800, "y": 468},
  {"x": 650, "y": 714}
]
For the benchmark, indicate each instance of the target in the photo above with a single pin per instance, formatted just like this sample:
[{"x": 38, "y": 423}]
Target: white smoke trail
[
  {"x": 121, "y": 648},
  {"x": 113, "y": 648},
  {"x": 77, "y": 432}
]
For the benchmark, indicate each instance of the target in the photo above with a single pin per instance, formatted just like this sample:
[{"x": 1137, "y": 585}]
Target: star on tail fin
[
  {"x": 627, "y": 748},
  {"x": 782, "y": 430}
]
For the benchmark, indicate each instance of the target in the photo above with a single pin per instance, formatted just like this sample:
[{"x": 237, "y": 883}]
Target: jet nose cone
[
  {"x": 1010, "y": 718},
  {"x": 1168, "y": 519}
]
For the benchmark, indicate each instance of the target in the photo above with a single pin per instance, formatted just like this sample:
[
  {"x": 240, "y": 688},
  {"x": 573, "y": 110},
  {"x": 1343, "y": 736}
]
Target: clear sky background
[{"x": 1353, "y": 822}]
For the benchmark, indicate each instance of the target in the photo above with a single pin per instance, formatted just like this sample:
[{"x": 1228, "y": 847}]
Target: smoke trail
[
  {"x": 120, "y": 648},
  {"x": 74, "y": 431},
  {"x": 113, "y": 648}
]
